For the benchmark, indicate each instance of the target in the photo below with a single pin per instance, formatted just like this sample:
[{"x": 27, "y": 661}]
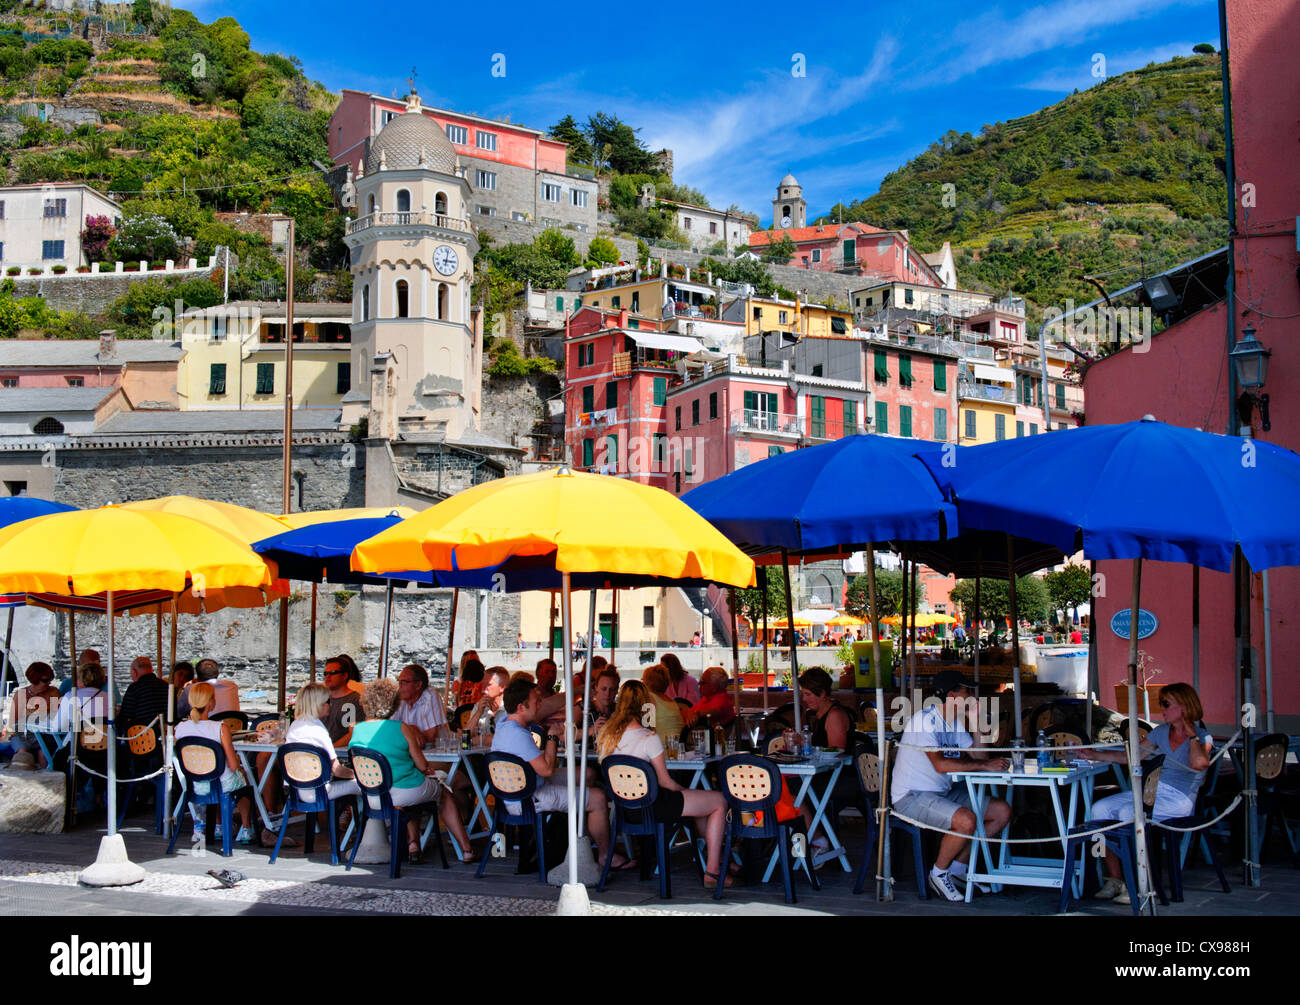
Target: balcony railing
[
  {"x": 420, "y": 219},
  {"x": 988, "y": 392},
  {"x": 752, "y": 420}
]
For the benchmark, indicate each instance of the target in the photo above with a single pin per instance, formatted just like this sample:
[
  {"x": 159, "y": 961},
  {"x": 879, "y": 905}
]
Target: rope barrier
[
  {"x": 996, "y": 840},
  {"x": 81, "y": 766},
  {"x": 1199, "y": 827}
]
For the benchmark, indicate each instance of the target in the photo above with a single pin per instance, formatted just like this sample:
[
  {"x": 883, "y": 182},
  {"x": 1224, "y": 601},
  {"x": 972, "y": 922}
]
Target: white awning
[
  {"x": 298, "y": 318},
  {"x": 995, "y": 373},
  {"x": 663, "y": 340}
]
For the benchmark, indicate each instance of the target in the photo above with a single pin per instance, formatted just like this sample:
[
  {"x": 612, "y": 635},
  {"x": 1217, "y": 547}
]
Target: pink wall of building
[
  {"x": 59, "y": 377},
  {"x": 923, "y": 397},
  {"x": 1183, "y": 378}
]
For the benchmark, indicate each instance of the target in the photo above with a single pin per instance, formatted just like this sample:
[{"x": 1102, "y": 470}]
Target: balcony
[
  {"x": 986, "y": 392},
  {"x": 420, "y": 219},
  {"x": 751, "y": 420}
]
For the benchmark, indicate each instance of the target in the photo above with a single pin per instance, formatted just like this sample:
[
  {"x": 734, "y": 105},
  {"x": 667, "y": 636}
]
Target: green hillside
[{"x": 1119, "y": 179}]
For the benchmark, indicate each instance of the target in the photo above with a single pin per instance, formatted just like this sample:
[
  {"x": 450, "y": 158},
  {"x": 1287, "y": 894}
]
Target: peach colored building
[{"x": 145, "y": 369}]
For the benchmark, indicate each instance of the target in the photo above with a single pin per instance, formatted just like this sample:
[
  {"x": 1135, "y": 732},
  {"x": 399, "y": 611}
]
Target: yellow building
[
  {"x": 986, "y": 403},
  {"x": 765, "y": 314},
  {"x": 234, "y": 356},
  {"x": 650, "y": 617}
]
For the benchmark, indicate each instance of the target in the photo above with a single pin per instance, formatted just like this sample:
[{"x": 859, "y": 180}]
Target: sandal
[
  {"x": 711, "y": 881},
  {"x": 413, "y": 853},
  {"x": 628, "y": 864}
]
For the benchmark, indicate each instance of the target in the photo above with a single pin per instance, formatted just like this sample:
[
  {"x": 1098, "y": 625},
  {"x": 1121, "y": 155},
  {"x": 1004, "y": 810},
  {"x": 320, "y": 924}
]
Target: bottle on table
[
  {"x": 805, "y": 742},
  {"x": 1017, "y": 757},
  {"x": 1044, "y": 755}
]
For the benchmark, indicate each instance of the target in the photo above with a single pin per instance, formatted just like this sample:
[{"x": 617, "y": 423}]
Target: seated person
[
  {"x": 604, "y": 691},
  {"x": 403, "y": 745},
  {"x": 308, "y": 726},
  {"x": 521, "y": 701},
  {"x": 715, "y": 705},
  {"x": 419, "y": 707},
  {"x": 36, "y": 704},
  {"x": 624, "y": 734},
  {"x": 145, "y": 702},
  {"x": 343, "y": 705},
  {"x": 354, "y": 674},
  {"x": 830, "y": 722},
  {"x": 182, "y": 678},
  {"x": 545, "y": 676},
  {"x": 227, "y": 691},
  {"x": 1186, "y": 746},
  {"x": 495, "y": 682},
  {"x": 680, "y": 683},
  {"x": 202, "y": 700},
  {"x": 668, "y": 714},
  {"x": 922, "y": 790},
  {"x": 470, "y": 685}
]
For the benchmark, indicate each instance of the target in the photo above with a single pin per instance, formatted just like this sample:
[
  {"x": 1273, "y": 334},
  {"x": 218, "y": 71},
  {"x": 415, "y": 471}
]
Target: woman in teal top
[{"x": 402, "y": 745}]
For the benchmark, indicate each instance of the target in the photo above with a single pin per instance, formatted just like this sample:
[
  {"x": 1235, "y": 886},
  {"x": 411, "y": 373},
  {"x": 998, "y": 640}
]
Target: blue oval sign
[{"x": 1147, "y": 623}]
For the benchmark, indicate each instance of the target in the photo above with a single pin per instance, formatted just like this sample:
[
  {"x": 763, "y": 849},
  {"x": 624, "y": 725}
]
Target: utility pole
[{"x": 287, "y": 475}]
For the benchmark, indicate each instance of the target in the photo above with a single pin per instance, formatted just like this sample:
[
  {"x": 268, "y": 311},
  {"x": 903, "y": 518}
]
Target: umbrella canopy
[
  {"x": 982, "y": 553},
  {"x": 588, "y": 523},
  {"x": 85, "y": 552},
  {"x": 322, "y": 551},
  {"x": 1140, "y": 489},
  {"x": 858, "y": 490},
  {"x": 295, "y": 520},
  {"x": 239, "y": 522},
  {"x": 842, "y": 620},
  {"x": 16, "y": 508}
]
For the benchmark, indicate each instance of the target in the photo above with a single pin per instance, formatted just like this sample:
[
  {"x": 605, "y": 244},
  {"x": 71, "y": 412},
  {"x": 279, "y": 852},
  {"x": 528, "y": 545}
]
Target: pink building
[
  {"x": 853, "y": 248},
  {"x": 1184, "y": 379},
  {"x": 144, "y": 368}
]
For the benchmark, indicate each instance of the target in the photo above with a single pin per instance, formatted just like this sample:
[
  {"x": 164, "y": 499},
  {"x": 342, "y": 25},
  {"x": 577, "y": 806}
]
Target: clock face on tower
[
  {"x": 445, "y": 259},
  {"x": 785, "y": 221}
]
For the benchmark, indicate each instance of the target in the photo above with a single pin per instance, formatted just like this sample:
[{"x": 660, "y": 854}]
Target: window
[
  {"x": 440, "y": 204},
  {"x": 611, "y": 395},
  {"x": 882, "y": 367},
  {"x": 782, "y": 317},
  {"x": 941, "y": 423},
  {"x": 482, "y": 210},
  {"x": 578, "y": 198},
  {"x": 713, "y": 227},
  {"x": 265, "y": 378},
  {"x": 485, "y": 141},
  {"x": 1033, "y": 429},
  {"x": 9, "y": 382},
  {"x": 588, "y": 452},
  {"x": 217, "y": 378},
  {"x": 970, "y": 425},
  {"x": 219, "y": 327},
  {"x": 817, "y": 254},
  {"x": 402, "y": 294},
  {"x": 2, "y": 209},
  {"x": 904, "y": 420},
  {"x": 1060, "y": 391},
  {"x": 713, "y": 405},
  {"x": 677, "y": 482},
  {"x": 56, "y": 207},
  {"x": 442, "y": 301},
  {"x": 551, "y": 193},
  {"x": 589, "y": 398},
  {"x": 343, "y": 380},
  {"x": 775, "y": 451},
  {"x": 850, "y": 252},
  {"x": 686, "y": 223},
  {"x": 850, "y": 417},
  {"x": 695, "y": 412},
  {"x": 403, "y": 201},
  {"x": 661, "y": 393},
  {"x": 365, "y": 302},
  {"x": 636, "y": 300},
  {"x": 2, "y": 244},
  {"x": 559, "y": 304},
  {"x": 647, "y": 617},
  {"x": 905, "y": 369},
  {"x": 485, "y": 180},
  {"x": 518, "y": 217},
  {"x": 616, "y": 302},
  {"x": 660, "y": 447},
  {"x": 940, "y": 375},
  {"x": 882, "y": 418},
  {"x": 48, "y": 427},
  {"x": 611, "y": 452},
  {"x": 1020, "y": 429},
  {"x": 907, "y": 296},
  {"x": 51, "y": 249},
  {"x": 587, "y": 354},
  {"x": 817, "y": 415},
  {"x": 838, "y": 326},
  {"x": 679, "y": 416},
  {"x": 817, "y": 370},
  {"x": 999, "y": 427},
  {"x": 758, "y": 314},
  {"x": 457, "y": 134},
  {"x": 370, "y": 203},
  {"x": 385, "y": 118},
  {"x": 76, "y": 381},
  {"x": 16, "y": 488}
]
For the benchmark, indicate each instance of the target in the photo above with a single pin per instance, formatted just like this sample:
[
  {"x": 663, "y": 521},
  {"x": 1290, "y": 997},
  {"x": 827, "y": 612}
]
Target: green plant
[
  {"x": 13, "y": 270},
  {"x": 844, "y": 654}
]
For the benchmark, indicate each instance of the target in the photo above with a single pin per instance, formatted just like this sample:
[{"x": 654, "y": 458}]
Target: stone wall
[
  {"x": 91, "y": 293},
  {"x": 513, "y": 406},
  {"x": 820, "y": 286},
  {"x": 506, "y": 231}
]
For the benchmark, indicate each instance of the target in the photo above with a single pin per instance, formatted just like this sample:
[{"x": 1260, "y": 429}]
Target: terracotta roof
[{"x": 825, "y": 232}]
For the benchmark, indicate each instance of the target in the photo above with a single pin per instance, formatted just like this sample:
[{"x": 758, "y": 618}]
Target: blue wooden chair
[
  {"x": 752, "y": 785},
  {"x": 306, "y": 773},
  {"x": 632, "y": 785},
  {"x": 375, "y": 778},
  {"x": 142, "y": 743},
  {"x": 202, "y": 763},
  {"x": 867, "y": 766},
  {"x": 512, "y": 779}
]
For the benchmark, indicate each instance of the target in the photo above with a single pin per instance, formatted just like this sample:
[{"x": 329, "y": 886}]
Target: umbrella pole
[
  {"x": 573, "y": 896},
  {"x": 1268, "y": 649},
  {"x": 762, "y": 582},
  {"x": 451, "y": 638},
  {"x": 586, "y": 697},
  {"x": 911, "y": 650},
  {"x": 9, "y": 636},
  {"x": 72, "y": 644},
  {"x": 902, "y": 632},
  {"x": 979, "y": 571},
  {"x": 169, "y": 726},
  {"x": 1134, "y": 749},
  {"x": 550, "y": 638},
  {"x": 111, "y": 749},
  {"x": 1196, "y": 628},
  {"x": 1251, "y": 871},
  {"x": 735, "y": 647},
  {"x": 313, "y": 633},
  {"x": 172, "y": 664},
  {"x": 384, "y": 640},
  {"x": 160, "y": 647},
  {"x": 884, "y": 891},
  {"x": 1093, "y": 684},
  {"x": 1015, "y": 633},
  {"x": 284, "y": 644},
  {"x": 794, "y": 649}
]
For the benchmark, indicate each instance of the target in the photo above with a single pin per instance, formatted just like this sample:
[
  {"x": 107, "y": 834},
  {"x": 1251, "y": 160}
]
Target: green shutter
[
  {"x": 1033, "y": 429},
  {"x": 818, "y": 408},
  {"x": 970, "y": 424},
  {"x": 882, "y": 368},
  {"x": 217, "y": 379},
  {"x": 905, "y": 369},
  {"x": 775, "y": 451},
  {"x": 940, "y": 375},
  {"x": 661, "y": 390},
  {"x": 265, "y": 378},
  {"x": 589, "y": 398},
  {"x": 771, "y": 403},
  {"x": 1020, "y": 429},
  {"x": 611, "y": 446},
  {"x": 751, "y": 401},
  {"x": 344, "y": 380},
  {"x": 850, "y": 418},
  {"x": 588, "y": 452},
  {"x": 850, "y": 248},
  {"x": 1060, "y": 396},
  {"x": 999, "y": 427},
  {"x": 559, "y": 304},
  {"x": 904, "y": 420},
  {"x": 941, "y": 423},
  {"x": 882, "y": 417},
  {"x": 634, "y": 324},
  {"x": 611, "y": 394}
]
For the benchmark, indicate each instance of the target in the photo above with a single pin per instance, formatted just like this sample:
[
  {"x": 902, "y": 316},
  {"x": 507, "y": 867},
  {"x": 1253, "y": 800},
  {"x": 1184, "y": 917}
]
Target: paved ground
[{"x": 38, "y": 875}]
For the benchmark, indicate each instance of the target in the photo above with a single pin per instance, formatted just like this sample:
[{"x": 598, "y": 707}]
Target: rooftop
[
  {"x": 85, "y": 352},
  {"x": 54, "y": 399},
  {"x": 269, "y": 420}
]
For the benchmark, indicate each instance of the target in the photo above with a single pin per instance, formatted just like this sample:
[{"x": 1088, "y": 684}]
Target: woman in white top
[
  {"x": 624, "y": 734},
  {"x": 90, "y": 698},
  {"x": 202, "y": 696},
  {"x": 308, "y": 728}
]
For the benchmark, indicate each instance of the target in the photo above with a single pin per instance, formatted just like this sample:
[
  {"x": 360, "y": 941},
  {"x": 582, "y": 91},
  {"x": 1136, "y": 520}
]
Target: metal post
[
  {"x": 586, "y": 704},
  {"x": 762, "y": 586},
  {"x": 112, "y": 741},
  {"x": 979, "y": 570},
  {"x": 902, "y": 632},
  {"x": 284, "y": 654},
  {"x": 451, "y": 636},
  {"x": 160, "y": 647},
  {"x": 1251, "y": 865},
  {"x": 570, "y": 780},
  {"x": 1196, "y": 628},
  {"x": 286, "y": 476},
  {"x": 1093, "y": 685},
  {"x": 1135, "y": 749},
  {"x": 794, "y": 649},
  {"x": 72, "y": 644},
  {"x": 911, "y": 649},
  {"x": 550, "y": 638},
  {"x": 613, "y": 625},
  {"x": 1268, "y": 650},
  {"x": 884, "y": 891},
  {"x": 384, "y": 641},
  {"x": 735, "y": 647},
  {"x": 1015, "y": 632},
  {"x": 312, "y": 646}
]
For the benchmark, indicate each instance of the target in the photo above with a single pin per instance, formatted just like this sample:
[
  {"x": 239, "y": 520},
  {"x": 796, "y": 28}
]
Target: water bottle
[
  {"x": 1044, "y": 755},
  {"x": 805, "y": 742},
  {"x": 1017, "y": 757},
  {"x": 485, "y": 724}
]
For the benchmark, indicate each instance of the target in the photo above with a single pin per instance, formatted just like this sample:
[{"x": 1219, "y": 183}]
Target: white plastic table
[
  {"x": 806, "y": 771},
  {"x": 1025, "y": 870}
]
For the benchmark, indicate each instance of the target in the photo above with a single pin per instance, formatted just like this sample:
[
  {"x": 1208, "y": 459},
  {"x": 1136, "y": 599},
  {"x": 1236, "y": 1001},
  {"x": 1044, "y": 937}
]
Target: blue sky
[{"x": 715, "y": 84}]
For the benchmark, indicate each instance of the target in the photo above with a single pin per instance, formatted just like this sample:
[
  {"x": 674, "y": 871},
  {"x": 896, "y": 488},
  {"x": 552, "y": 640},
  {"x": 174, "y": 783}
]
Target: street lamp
[{"x": 1250, "y": 360}]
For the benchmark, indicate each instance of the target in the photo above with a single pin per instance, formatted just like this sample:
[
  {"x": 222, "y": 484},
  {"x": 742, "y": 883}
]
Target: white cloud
[{"x": 1066, "y": 80}]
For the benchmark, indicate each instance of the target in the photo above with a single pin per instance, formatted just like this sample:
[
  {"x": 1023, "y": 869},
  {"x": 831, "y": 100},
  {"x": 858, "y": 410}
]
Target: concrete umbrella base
[{"x": 111, "y": 866}]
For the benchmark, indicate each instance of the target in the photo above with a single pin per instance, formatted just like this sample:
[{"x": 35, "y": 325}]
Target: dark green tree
[
  {"x": 568, "y": 131},
  {"x": 626, "y": 153},
  {"x": 889, "y": 594},
  {"x": 1069, "y": 587},
  {"x": 780, "y": 251},
  {"x": 749, "y": 601},
  {"x": 1031, "y": 598}
]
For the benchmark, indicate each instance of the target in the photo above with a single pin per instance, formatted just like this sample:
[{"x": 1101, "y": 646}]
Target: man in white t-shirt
[
  {"x": 227, "y": 691},
  {"x": 420, "y": 706},
  {"x": 922, "y": 790}
]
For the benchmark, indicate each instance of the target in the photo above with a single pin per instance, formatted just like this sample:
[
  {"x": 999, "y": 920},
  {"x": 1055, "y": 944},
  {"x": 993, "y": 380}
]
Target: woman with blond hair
[
  {"x": 1186, "y": 745},
  {"x": 307, "y": 727},
  {"x": 202, "y": 695},
  {"x": 624, "y": 734}
]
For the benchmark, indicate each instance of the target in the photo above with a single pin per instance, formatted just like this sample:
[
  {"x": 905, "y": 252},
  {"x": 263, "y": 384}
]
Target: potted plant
[
  {"x": 131, "y": 267},
  {"x": 83, "y": 268},
  {"x": 13, "y": 270},
  {"x": 34, "y": 271},
  {"x": 59, "y": 270}
]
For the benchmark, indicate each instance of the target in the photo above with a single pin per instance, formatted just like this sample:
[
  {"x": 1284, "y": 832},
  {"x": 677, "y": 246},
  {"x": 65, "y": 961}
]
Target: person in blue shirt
[
  {"x": 521, "y": 701},
  {"x": 1186, "y": 745}
]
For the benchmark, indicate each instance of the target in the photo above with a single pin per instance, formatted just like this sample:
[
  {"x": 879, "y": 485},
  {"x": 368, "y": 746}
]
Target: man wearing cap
[{"x": 921, "y": 789}]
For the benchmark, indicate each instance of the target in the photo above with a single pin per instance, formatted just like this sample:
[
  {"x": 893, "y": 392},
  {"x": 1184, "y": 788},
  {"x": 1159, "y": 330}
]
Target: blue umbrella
[{"x": 1141, "y": 490}]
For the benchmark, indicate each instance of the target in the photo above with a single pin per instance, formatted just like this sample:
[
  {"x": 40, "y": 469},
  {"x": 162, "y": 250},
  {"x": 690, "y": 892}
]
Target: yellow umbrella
[
  {"x": 295, "y": 520},
  {"x": 591, "y": 523},
  {"x": 845, "y": 619},
  {"x": 248, "y": 525},
  {"x": 893, "y": 619}
]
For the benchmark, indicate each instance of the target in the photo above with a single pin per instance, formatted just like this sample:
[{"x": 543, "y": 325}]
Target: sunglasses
[
  {"x": 1164, "y": 702},
  {"x": 334, "y": 673}
]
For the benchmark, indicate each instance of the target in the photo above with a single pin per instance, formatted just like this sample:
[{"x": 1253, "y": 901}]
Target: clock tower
[
  {"x": 412, "y": 254},
  {"x": 788, "y": 208}
]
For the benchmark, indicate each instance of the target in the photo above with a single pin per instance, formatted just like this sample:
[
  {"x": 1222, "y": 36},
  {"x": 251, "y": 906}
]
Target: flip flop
[{"x": 627, "y": 865}]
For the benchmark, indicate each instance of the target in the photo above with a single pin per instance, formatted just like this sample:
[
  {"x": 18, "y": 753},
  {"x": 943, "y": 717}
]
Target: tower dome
[
  {"x": 411, "y": 140},
  {"x": 788, "y": 182}
]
